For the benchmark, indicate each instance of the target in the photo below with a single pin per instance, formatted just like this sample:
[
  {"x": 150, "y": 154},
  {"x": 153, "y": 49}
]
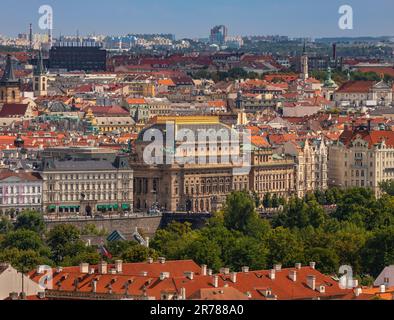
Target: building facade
[
  {"x": 86, "y": 181},
  {"x": 311, "y": 158},
  {"x": 271, "y": 173},
  {"x": 20, "y": 191},
  {"x": 362, "y": 158},
  {"x": 364, "y": 93},
  {"x": 197, "y": 185},
  {"x": 204, "y": 187},
  {"x": 78, "y": 58}
]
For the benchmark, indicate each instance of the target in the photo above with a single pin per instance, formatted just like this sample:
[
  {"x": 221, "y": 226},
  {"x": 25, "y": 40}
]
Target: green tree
[
  {"x": 5, "y": 225},
  {"x": 172, "y": 241},
  {"x": 22, "y": 240},
  {"x": 387, "y": 187},
  {"x": 87, "y": 255},
  {"x": 30, "y": 220},
  {"x": 267, "y": 201},
  {"x": 317, "y": 215},
  {"x": 23, "y": 260},
  {"x": 239, "y": 211},
  {"x": 64, "y": 240},
  {"x": 378, "y": 251},
  {"x": 275, "y": 201},
  {"x": 348, "y": 243},
  {"x": 284, "y": 247},
  {"x": 248, "y": 251},
  {"x": 138, "y": 253},
  {"x": 205, "y": 251},
  {"x": 355, "y": 205},
  {"x": 327, "y": 261}
]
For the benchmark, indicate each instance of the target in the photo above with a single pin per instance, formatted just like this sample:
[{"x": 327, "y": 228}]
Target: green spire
[{"x": 329, "y": 82}]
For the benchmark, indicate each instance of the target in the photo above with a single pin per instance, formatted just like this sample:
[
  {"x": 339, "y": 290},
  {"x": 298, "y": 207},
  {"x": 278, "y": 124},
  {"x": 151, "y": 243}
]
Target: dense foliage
[{"x": 358, "y": 231}]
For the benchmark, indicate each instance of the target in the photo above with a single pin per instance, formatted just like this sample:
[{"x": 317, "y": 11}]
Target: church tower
[
  {"x": 40, "y": 80},
  {"x": 304, "y": 64},
  {"x": 10, "y": 91}
]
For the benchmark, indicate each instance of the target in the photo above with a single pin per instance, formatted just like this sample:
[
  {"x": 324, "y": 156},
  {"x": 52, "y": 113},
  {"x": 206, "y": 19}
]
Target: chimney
[
  {"x": 40, "y": 270},
  {"x": 59, "y": 269},
  {"x": 91, "y": 271},
  {"x": 150, "y": 260},
  {"x": 147, "y": 242},
  {"x": 245, "y": 269},
  {"x": 164, "y": 275},
  {"x": 119, "y": 266},
  {"x": 234, "y": 277},
  {"x": 103, "y": 267},
  {"x": 144, "y": 273},
  {"x": 278, "y": 267},
  {"x": 322, "y": 289},
  {"x": 94, "y": 286},
  {"x": 272, "y": 274},
  {"x": 41, "y": 295},
  {"x": 14, "y": 296},
  {"x": 311, "y": 282},
  {"x": 22, "y": 296},
  {"x": 225, "y": 270},
  {"x": 189, "y": 275},
  {"x": 210, "y": 272},
  {"x": 312, "y": 265},
  {"x": 358, "y": 292},
  {"x": 369, "y": 125},
  {"x": 298, "y": 266},
  {"x": 215, "y": 282},
  {"x": 204, "y": 269},
  {"x": 382, "y": 288},
  {"x": 162, "y": 260},
  {"x": 293, "y": 275},
  {"x": 183, "y": 293},
  {"x": 84, "y": 268}
]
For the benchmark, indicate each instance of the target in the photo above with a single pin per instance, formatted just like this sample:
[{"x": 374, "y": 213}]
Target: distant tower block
[
  {"x": 31, "y": 36},
  {"x": 304, "y": 65},
  {"x": 50, "y": 30}
]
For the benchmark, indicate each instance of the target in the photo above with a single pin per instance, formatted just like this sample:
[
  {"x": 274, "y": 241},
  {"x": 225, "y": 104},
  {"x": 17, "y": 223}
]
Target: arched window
[{"x": 13, "y": 95}]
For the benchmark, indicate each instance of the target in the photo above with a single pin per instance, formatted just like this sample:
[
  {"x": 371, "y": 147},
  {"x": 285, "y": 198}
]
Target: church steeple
[
  {"x": 9, "y": 84},
  {"x": 39, "y": 78},
  {"x": 9, "y": 75},
  {"x": 304, "y": 64},
  {"x": 39, "y": 70}
]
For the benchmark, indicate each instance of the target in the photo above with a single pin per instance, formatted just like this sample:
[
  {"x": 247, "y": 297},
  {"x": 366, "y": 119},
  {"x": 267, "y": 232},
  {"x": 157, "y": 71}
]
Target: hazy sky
[{"x": 194, "y": 18}]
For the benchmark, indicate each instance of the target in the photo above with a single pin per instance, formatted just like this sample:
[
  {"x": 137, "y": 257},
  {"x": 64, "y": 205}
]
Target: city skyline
[{"x": 194, "y": 20}]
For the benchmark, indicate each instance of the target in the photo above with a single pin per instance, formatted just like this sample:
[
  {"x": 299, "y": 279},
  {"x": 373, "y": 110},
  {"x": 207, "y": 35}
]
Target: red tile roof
[
  {"x": 356, "y": 87},
  {"x": 252, "y": 285},
  {"x": 13, "y": 110},
  {"x": 373, "y": 137}
]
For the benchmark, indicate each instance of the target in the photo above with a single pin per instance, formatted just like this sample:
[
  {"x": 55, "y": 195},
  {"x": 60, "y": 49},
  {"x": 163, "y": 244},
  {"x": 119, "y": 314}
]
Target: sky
[{"x": 194, "y": 18}]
